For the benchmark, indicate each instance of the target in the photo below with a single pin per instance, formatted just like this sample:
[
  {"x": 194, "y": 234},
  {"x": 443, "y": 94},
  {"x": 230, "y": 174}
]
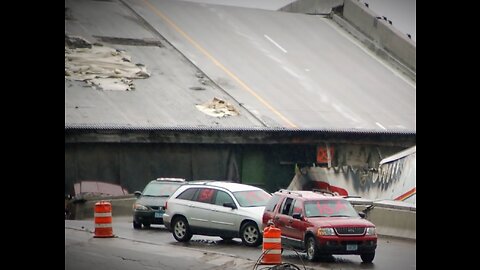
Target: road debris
[
  {"x": 100, "y": 66},
  {"x": 218, "y": 108}
]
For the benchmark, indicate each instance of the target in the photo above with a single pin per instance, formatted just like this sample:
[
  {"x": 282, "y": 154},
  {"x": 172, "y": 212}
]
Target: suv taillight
[{"x": 165, "y": 205}]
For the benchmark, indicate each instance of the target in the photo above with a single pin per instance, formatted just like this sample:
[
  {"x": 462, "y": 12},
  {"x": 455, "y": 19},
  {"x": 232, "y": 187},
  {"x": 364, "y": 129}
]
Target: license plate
[
  {"x": 351, "y": 247},
  {"x": 158, "y": 214}
]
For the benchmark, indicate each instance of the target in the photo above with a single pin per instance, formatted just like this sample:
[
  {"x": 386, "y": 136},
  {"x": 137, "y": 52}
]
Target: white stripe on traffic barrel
[
  {"x": 272, "y": 240},
  {"x": 108, "y": 214}
]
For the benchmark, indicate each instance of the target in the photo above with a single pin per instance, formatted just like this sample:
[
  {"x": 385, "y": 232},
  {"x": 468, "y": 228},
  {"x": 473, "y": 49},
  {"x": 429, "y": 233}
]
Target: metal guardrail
[{"x": 382, "y": 203}]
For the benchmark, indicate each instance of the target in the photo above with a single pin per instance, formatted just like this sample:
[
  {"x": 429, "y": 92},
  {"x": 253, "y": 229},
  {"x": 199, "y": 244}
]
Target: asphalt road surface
[{"x": 156, "y": 248}]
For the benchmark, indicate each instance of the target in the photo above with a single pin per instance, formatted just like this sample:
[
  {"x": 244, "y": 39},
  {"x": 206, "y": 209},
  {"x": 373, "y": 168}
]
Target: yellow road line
[{"x": 216, "y": 62}]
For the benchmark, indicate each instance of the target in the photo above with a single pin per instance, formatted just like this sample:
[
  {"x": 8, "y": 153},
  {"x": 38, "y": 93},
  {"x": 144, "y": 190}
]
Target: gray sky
[{"x": 402, "y": 13}]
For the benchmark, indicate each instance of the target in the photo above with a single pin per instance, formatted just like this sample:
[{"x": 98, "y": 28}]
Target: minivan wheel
[
  {"x": 312, "y": 249},
  {"x": 181, "y": 230},
  {"x": 137, "y": 225},
  {"x": 367, "y": 257},
  {"x": 250, "y": 235}
]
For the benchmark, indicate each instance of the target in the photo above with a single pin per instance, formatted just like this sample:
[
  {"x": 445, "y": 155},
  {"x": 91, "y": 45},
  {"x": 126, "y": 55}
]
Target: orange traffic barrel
[
  {"x": 272, "y": 245},
  {"x": 103, "y": 219}
]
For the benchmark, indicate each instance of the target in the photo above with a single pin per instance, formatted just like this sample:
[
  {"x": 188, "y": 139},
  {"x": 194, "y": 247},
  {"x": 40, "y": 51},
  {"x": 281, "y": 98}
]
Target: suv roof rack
[
  {"x": 324, "y": 191},
  {"x": 290, "y": 192},
  {"x": 208, "y": 181}
]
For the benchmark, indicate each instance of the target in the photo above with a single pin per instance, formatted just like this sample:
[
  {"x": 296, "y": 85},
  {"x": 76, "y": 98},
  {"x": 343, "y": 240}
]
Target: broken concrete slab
[{"x": 100, "y": 66}]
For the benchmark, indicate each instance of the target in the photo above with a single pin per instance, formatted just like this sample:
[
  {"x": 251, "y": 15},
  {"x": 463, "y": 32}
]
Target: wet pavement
[{"x": 392, "y": 253}]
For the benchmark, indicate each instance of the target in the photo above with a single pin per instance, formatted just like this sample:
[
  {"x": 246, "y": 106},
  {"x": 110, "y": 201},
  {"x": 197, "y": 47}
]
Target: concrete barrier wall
[
  {"x": 379, "y": 30},
  {"x": 392, "y": 221},
  {"x": 121, "y": 206},
  {"x": 312, "y": 6}
]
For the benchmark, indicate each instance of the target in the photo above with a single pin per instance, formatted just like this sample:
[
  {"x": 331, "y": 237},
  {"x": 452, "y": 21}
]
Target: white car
[{"x": 216, "y": 208}]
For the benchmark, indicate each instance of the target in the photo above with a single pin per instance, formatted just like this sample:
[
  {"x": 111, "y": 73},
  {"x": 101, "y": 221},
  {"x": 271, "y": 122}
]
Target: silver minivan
[{"x": 216, "y": 208}]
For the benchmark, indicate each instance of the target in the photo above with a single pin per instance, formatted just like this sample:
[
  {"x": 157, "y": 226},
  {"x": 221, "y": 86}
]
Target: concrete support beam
[{"x": 81, "y": 135}]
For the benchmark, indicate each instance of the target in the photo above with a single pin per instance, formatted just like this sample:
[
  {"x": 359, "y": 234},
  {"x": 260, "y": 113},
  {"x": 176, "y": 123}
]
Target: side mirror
[
  {"x": 229, "y": 204},
  {"x": 137, "y": 193},
  {"x": 297, "y": 216},
  {"x": 362, "y": 214}
]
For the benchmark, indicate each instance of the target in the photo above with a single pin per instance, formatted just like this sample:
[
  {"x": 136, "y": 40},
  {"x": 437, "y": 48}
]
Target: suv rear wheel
[
  {"x": 312, "y": 249},
  {"x": 181, "y": 230},
  {"x": 367, "y": 257},
  {"x": 250, "y": 235}
]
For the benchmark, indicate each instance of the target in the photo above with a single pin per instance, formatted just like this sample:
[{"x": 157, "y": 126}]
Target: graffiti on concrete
[{"x": 393, "y": 178}]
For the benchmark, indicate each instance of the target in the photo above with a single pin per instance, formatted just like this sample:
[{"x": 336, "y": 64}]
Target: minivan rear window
[{"x": 205, "y": 195}]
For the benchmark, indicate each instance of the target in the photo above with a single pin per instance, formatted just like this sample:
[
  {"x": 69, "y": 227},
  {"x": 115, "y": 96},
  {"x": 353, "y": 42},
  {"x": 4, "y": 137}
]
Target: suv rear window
[
  {"x": 272, "y": 203},
  {"x": 286, "y": 210},
  {"x": 297, "y": 207}
]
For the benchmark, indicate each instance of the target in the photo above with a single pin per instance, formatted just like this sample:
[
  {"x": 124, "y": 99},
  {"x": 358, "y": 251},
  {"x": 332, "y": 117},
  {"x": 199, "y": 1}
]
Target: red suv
[{"x": 320, "y": 224}]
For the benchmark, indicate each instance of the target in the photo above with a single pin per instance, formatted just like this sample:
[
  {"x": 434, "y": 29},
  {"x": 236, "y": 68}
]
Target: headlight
[
  {"x": 138, "y": 206},
  {"x": 325, "y": 231},
  {"x": 370, "y": 231}
]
